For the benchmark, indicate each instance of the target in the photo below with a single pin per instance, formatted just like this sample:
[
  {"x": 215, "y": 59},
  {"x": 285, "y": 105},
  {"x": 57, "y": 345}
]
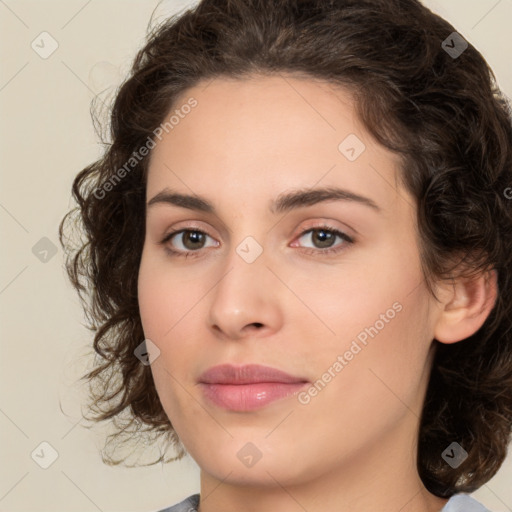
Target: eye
[
  {"x": 323, "y": 239},
  {"x": 186, "y": 241},
  {"x": 189, "y": 242}
]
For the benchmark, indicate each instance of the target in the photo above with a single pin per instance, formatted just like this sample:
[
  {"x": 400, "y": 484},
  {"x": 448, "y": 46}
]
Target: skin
[{"x": 353, "y": 446}]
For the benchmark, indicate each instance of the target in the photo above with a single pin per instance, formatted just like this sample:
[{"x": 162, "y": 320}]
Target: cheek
[
  {"x": 342, "y": 303},
  {"x": 165, "y": 304},
  {"x": 169, "y": 304},
  {"x": 383, "y": 358},
  {"x": 165, "y": 297},
  {"x": 151, "y": 302},
  {"x": 373, "y": 314}
]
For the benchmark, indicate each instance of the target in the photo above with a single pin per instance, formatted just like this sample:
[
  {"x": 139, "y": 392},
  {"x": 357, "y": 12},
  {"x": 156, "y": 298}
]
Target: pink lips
[{"x": 249, "y": 387}]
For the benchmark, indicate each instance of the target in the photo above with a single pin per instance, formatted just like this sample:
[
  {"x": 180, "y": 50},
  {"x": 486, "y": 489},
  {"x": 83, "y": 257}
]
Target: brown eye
[
  {"x": 324, "y": 238},
  {"x": 187, "y": 240},
  {"x": 193, "y": 239}
]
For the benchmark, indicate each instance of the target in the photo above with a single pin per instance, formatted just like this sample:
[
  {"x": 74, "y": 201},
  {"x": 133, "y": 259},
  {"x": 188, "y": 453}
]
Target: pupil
[
  {"x": 194, "y": 237},
  {"x": 325, "y": 237}
]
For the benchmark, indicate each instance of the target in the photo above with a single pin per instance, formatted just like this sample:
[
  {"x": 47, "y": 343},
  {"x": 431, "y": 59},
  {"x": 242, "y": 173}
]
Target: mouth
[{"x": 248, "y": 387}]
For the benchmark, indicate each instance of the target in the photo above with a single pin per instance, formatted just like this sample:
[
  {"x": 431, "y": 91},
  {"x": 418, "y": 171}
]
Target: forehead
[
  {"x": 261, "y": 106},
  {"x": 278, "y": 132}
]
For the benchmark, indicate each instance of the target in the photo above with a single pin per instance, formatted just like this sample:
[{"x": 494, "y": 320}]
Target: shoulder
[
  {"x": 462, "y": 502},
  {"x": 188, "y": 505},
  {"x": 457, "y": 503}
]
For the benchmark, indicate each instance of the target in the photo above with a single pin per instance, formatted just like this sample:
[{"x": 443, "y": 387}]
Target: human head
[{"x": 404, "y": 93}]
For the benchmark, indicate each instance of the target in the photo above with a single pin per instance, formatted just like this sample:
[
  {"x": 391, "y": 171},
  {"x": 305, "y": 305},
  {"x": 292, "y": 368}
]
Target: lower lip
[{"x": 248, "y": 397}]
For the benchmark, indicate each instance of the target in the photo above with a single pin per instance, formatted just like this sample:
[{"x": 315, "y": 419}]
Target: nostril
[{"x": 257, "y": 324}]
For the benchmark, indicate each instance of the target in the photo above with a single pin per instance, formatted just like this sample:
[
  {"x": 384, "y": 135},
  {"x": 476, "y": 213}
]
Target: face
[{"x": 269, "y": 270}]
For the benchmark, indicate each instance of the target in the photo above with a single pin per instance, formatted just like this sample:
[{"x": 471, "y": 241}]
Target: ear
[{"x": 465, "y": 305}]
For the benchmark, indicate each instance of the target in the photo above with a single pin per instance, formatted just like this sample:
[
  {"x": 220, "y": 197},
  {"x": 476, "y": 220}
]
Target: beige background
[{"x": 46, "y": 138}]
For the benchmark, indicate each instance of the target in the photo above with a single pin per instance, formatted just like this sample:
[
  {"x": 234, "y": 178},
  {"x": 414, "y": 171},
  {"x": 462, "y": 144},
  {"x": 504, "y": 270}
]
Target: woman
[{"x": 299, "y": 246}]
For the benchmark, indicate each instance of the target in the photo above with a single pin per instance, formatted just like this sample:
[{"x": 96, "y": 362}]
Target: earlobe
[{"x": 467, "y": 304}]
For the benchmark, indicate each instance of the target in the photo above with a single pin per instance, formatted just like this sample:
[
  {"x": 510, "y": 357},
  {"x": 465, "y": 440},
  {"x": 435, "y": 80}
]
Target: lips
[
  {"x": 248, "y": 374},
  {"x": 249, "y": 387}
]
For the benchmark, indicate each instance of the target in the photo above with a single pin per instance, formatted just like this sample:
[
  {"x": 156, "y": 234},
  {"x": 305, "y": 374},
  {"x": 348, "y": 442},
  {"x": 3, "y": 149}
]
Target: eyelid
[
  {"x": 327, "y": 223},
  {"x": 192, "y": 226}
]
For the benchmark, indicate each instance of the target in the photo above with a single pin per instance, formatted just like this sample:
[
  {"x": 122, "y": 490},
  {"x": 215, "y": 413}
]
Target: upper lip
[{"x": 247, "y": 374}]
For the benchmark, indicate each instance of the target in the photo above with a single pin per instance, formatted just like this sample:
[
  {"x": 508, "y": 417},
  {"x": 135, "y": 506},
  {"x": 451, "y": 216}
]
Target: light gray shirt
[{"x": 460, "y": 502}]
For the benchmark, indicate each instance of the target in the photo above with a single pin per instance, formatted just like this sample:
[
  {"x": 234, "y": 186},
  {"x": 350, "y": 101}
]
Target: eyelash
[{"x": 191, "y": 253}]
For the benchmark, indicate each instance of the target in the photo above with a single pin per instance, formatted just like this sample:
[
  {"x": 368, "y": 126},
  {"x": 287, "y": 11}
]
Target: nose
[{"x": 246, "y": 301}]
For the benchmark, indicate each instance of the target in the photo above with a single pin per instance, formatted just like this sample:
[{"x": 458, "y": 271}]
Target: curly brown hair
[{"x": 443, "y": 114}]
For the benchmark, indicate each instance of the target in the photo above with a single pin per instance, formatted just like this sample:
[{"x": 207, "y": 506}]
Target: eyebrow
[{"x": 283, "y": 203}]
